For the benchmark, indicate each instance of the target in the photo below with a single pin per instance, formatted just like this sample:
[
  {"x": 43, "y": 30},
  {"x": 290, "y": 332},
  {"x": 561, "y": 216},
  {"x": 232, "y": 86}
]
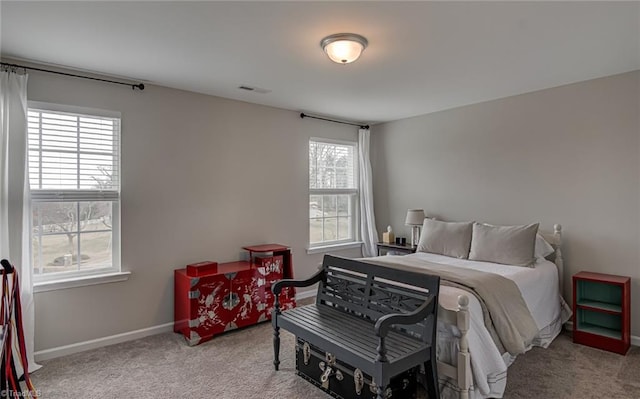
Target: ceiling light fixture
[{"x": 344, "y": 48}]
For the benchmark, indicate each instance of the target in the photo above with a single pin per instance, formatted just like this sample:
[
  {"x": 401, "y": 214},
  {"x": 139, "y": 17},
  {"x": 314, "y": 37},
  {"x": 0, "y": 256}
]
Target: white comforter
[{"x": 539, "y": 288}]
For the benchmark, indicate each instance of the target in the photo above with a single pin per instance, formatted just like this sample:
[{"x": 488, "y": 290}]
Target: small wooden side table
[
  {"x": 383, "y": 248},
  {"x": 601, "y": 311}
]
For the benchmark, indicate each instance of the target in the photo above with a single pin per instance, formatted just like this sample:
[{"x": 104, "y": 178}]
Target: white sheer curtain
[
  {"x": 14, "y": 195},
  {"x": 368, "y": 232}
]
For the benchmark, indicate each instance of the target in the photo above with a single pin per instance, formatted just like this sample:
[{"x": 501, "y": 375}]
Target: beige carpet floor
[{"x": 239, "y": 365}]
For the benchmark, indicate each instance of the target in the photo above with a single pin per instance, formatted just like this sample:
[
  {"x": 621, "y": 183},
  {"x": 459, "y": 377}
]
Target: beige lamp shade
[{"x": 415, "y": 217}]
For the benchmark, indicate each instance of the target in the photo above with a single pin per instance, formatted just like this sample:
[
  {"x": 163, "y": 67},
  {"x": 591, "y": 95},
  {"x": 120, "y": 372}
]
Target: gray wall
[
  {"x": 568, "y": 155},
  {"x": 201, "y": 177}
]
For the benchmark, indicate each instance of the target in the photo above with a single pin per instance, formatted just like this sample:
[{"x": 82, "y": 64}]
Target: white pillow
[
  {"x": 445, "y": 238},
  {"x": 543, "y": 248},
  {"x": 509, "y": 245}
]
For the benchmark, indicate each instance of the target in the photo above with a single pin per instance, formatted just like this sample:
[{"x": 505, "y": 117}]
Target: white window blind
[
  {"x": 331, "y": 166},
  {"x": 73, "y": 156}
]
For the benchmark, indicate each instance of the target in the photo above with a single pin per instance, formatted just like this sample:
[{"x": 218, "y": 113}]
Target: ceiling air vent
[{"x": 254, "y": 89}]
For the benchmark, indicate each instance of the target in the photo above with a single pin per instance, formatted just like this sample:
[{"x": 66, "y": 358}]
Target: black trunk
[{"x": 342, "y": 385}]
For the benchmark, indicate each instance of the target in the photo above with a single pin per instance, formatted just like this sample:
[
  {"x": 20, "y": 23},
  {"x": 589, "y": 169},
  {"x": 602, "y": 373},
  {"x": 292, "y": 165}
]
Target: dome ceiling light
[{"x": 344, "y": 48}]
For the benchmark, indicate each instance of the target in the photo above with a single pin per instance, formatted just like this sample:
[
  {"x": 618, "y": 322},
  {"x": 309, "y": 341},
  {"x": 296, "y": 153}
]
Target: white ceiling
[{"x": 422, "y": 56}]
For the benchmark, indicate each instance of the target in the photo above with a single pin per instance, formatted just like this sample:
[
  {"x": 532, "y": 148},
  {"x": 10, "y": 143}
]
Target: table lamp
[{"x": 415, "y": 218}]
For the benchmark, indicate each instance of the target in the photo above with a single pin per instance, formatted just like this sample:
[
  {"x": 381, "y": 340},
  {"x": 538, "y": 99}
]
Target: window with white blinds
[
  {"x": 74, "y": 153},
  {"x": 333, "y": 192},
  {"x": 74, "y": 177}
]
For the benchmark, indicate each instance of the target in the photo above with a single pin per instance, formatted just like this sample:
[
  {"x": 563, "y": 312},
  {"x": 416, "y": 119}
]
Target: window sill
[
  {"x": 74, "y": 282},
  {"x": 334, "y": 247}
]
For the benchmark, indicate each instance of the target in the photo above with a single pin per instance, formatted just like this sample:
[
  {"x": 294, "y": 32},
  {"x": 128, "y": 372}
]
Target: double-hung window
[
  {"x": 74, "y": 177},
  {"x": 333, "y": 192}
]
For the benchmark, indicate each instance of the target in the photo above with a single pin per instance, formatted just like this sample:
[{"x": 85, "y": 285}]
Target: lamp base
[{"x": 415, "y": 235}]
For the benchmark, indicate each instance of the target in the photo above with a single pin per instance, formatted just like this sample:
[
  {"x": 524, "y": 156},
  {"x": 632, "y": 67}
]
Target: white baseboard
[
  {"x": 65, "y": 350},
  {"x": 635, "y": 341},
  {"x": 100, "y": 342}
]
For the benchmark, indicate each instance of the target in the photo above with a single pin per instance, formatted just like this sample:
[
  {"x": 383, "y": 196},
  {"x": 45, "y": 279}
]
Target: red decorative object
[
  {"x": 601, "y": 311},
  {"x": 234, "y": 295},
  {"x": 202, "y": 268},
  {"x": 270, "y": 263}
]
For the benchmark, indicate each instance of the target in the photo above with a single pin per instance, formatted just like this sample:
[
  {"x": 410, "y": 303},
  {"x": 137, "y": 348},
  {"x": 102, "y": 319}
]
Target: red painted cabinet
[
  {"x": 231, "y": 295},
  {"x": 601, "y": 311}
]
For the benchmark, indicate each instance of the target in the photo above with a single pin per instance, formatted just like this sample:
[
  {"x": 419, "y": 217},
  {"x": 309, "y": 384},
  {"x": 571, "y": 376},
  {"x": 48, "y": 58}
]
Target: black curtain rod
[
  {"x": 303, "y": 115},
  {"x": 133, "y": 86}
]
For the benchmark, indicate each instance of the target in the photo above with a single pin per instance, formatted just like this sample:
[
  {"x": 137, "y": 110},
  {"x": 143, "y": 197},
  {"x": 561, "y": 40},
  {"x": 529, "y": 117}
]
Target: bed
[{"x": 472, "y": 361}]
